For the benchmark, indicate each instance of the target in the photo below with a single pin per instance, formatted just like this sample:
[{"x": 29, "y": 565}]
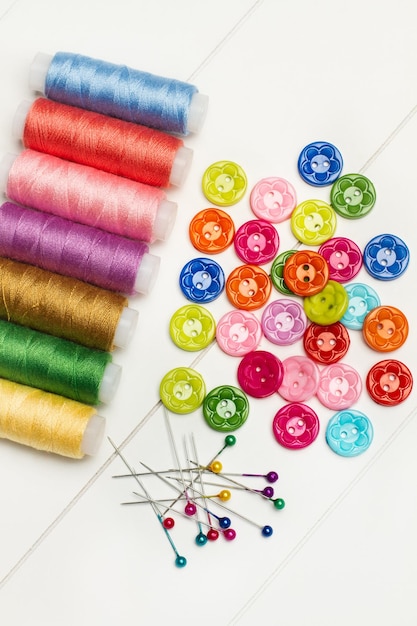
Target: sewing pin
[
  {"x": 212, "y": 534},
  {"x": 229, "y": 441}
]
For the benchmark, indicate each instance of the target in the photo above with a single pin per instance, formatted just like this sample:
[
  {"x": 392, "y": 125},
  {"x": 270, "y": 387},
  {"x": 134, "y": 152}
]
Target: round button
[
  {"x": 192, "y": 327},
  {"x": 349, "y": 433},
  {"x": 224, "y": 183},
  {"x": 328, "y": 306},
  {"x": 320, "y": 163},
  {"x": 385, "y": 328},
  {"x": 300, "y": 380},
  {"x": 344, "y": 258},
  {"x": 182, "y": 390},
  {"x": 201, "y": 280},
  {"x": 306, "y": 272},
  {"x": 339, "y": 387},
  {"x": 389, "y": 382},
  {"x": 248, "y": 287},
  {"x": 238, "y": 332},
  {"x": 211, "y": 231},
  {"x": 295, "y": 426},
  {"x": 283, "y": 321},
  {"x": 260, "y": 373},
  {"x": 353, "y": 196},
  {"x": 277, "y": 272},
  {"x": 386, "y": 257},
  {"x": 273, "y": 199},
  {"x": 362, "y": 299},
  {"x": 313, "y": 222},
  {"x": 326, "y": 344},
  {"x": 225, "y": 408},
  {"x": 256, "y": 242}
]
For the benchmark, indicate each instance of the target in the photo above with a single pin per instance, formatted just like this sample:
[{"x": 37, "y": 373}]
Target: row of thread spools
[{"x": 85, "y": 199}]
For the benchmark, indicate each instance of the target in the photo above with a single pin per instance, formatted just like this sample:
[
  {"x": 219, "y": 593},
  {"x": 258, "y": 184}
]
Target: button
[
  {"x": 344, "y": 258},
  {"x": 389, "y": 382},
  {"x": 306, "y": 273},
  {"x": 192, "y": 327},
  {"x": 211, "y": 231},
  {"x": 224, "y": 183},
  {"x": 295, "y": 426},
  {"x": 386, "y": 257},
  {"x": 328, "y": 306},
  {"x": 300, "y": 380},
  {"x": 273, "y": 199},
  {"x": 353, "y": 196},
  {"x": 313, "y": 222},
  {"x": 362, "y": 299},
  {"x": 385, "y": 328},
  {"x": 260, "y": 373},
  {"x": 326, "y": 344},
  {"x": 248, "y": 287},
  {"x": 256, "y": 242},
  {"x": 320, "y": 163},
  {"x": 277, "y": 272},
  {"x": 238, "y": 332},
  {"x": 339, "y": 387},
  {"x": 349, "y": 433},
  {"x": 202, "y": 280},
  {"x": 225, "y": 408},
  {"x": 283, "y": 321},
  {"x": 182, "y": 390}
]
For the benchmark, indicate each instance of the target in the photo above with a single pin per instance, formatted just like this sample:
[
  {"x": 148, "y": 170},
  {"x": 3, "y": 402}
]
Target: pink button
[
  {"x": 284, "y": 321},
  {"x": 344, "y": 258},
  {"x": 238, "y": 332},
  {"x": 300, "y": 380},
  {"x": 339, "y": 387},
  {"x": 260, "y": 373},
  {"x": 295, "y": 426},
  {"x": 273, "y": 199},
  {"x": 256, "y": 242}
]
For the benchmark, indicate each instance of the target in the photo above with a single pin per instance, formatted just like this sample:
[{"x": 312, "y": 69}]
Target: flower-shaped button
[
  {"x": 349, "y": 433},
  {"x": 328, "y": 306},
  {"x": 344, "y": 258},
  {"x": 225, "y": 408},
  {"x": 320, "y": 163},
  {"x": 273, "y": 199},
  {"x": 224, "y": 183},
  {"x": 295, "y": 426},
  {"x": 238, "y": 332},
  {"x": 306, "y": 272},
  {"x": 260, "y": 373},
  {"x": 313, "y": 222},
  {"x": 326, "y": 344},
  {"x": 362, "y": 299},
  {"x": 300, "y": 380},
  {"x": 211, "y": 231},
  {"x": 386, "y": 257},
  {"x": 182, "y": 390},
  {"x": 283, "y": 321},
  {"x": 277, "y": 272},
  {"x": 385, "y": 328},
  {"x": 256, "y": 242},
  {"x": 353, "y": 196},
  {"x": 339, "y": 387},
  {"x": 248, "y": 287},
  {"x": 192, "y": 327},
  {"x": 201, "y": 280},
  {"x": 389, "y": 382}
]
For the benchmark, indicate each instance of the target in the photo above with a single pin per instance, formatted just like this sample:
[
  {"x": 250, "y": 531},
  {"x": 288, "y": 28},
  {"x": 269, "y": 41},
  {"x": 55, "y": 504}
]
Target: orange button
[
  {"x": 306, "y": 273},
  {"x": 385, "y": 328},
  {"x": 248, "y": 287},
  {"x": 211, "y": 231}
]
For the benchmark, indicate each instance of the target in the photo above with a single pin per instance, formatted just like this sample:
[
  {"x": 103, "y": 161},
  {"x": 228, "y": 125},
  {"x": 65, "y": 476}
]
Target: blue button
[
  {"x": 362, "y": 299},
  {"x": 349, "y": 433},
  {"x": 202, "y": 280},
  {"x": 320, "y": 163},
  {"x": 386, "y": 257}
]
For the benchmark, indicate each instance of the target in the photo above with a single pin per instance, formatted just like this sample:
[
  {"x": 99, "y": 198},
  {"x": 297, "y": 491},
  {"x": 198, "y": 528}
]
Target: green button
[
  {"x": 182, "y": 390},
  {"x": 225, "y": 408},
  {"x": 192, "y": 328},
  {"x": 313, "y": 222},
  {"x": 353, "y": 196},
  {"x": 328, "y": 306},
  {"x": 277, "y": 272},
  {"x": 224, "y": 183}
]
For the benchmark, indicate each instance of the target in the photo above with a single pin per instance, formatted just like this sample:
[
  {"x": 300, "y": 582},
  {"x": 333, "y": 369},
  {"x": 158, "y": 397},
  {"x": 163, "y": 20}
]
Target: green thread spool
[{"x": 56, "y": 365}]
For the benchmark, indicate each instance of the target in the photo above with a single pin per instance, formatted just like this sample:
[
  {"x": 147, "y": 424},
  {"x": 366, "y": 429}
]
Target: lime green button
[
  {"x": 192, "y": 327},
  {"x": 328, "y": 306},
  {"x": 226, "y": 408},
  {"x": 182, "y": 390},
  {"x": 313, "y": 222},
  {"x": 224, "y": 183},
  {"x": 353, "y": 196}
]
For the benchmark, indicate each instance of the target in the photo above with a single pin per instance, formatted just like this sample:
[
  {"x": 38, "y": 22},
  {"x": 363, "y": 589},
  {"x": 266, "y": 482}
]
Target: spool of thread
[
  {"x": 71, "y": 249},
  {"x": 130, "y": 150},
  {"x": 57, "y": 365},
  {"x": 83, "y": 194},
  {"x": 64, "y": 307},
  {"x": 119, "y": 91},
  {"x": 48, "y": 422}
]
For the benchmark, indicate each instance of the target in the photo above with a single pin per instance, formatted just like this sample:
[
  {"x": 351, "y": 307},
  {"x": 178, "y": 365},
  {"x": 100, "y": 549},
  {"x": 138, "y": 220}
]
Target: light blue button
[
  {"x": 362, "y": 299},
  {"x": 349, "y": 433}
]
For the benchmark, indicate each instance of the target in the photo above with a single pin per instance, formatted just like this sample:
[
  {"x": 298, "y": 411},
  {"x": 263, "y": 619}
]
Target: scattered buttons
[
  {"x": 328, "y": 306},
  {"x": 248, "y": 287},
  {"x": 211, "y": 231},
  {"x": 386, "y": 257},
  {"x": 353, "y": 196},
  {"x": 300, "y": 380},
  {"x": 295, "y": 426},
  {"x": 224, "y": 183},
  {"x": 326, "y": 344},
  {"x": 344, "y": 258},
  {"x": 201, "y": 280},
  {"x": 283, "y": 321},
  {"x": 192, "y": 327},
  {"x": 320, "y": 163},
  {"x": 238, "y": 332},
  {"x": 349, "y": 433},
  {"x": 306, "y": 272},
  {"x": 225, "y": 408},
  {"x": 273, "y": 199},
  {"x": 277, "y": 272},
  {"x": 362, "y": 299},
  {"x": 385, "y": 328},
  {"x": 339, "y": 387},
  {"x": 313, "y": 222},
  {"x": 182, "y": 390},
  {"x": 256, "y": 242},
  {"x": 260, "y": 373},
  {"x": 389, "y": 382}
]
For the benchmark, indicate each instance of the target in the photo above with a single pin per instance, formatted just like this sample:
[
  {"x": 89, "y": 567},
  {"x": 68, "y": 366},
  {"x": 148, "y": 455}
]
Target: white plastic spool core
[
  {"x": 126, "y": 327},
  {"x": 38, "y": 71},
  {"x": 5, "y": 166},
  {"x": 93, "y": 435},
  {"x": 109, "y": 383},
  {"x": 147, "y": 273},
  {"x": 164, "y": 220},
  {"x": 197, "y": 112}
]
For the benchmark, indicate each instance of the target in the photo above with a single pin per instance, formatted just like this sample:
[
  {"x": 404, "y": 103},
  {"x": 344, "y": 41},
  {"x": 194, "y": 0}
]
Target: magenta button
[
  {"x": 273, "y": 199},
  {"x": 238, "y": 332},
  {"x": 300, "y": 380},
  {"x": 260, "y": 373},
  {"x": 343, "y": 257},
  {"x": 284, "y": 321},
  {"x": 295, "y": 426},
  {"x": 256, "y": 242},
  {"x": 339, "y": 387}
]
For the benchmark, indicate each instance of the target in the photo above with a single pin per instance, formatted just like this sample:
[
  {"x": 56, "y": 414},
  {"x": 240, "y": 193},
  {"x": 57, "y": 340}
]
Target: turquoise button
[
  {"x": 362, "y": 299},
  {"x": 349, "y": 433}
]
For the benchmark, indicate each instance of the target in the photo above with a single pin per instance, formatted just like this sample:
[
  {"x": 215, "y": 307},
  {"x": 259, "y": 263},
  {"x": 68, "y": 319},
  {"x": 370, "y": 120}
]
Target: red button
[
  {"x": 326, "y": 344},
  {"x": 248, "y": 287},
  {"x": 306, "y": 273},
  {"x": 385, "y": 328},
  {"x": 211, "y": 231},
  {"x": 389, "y": 382}
]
